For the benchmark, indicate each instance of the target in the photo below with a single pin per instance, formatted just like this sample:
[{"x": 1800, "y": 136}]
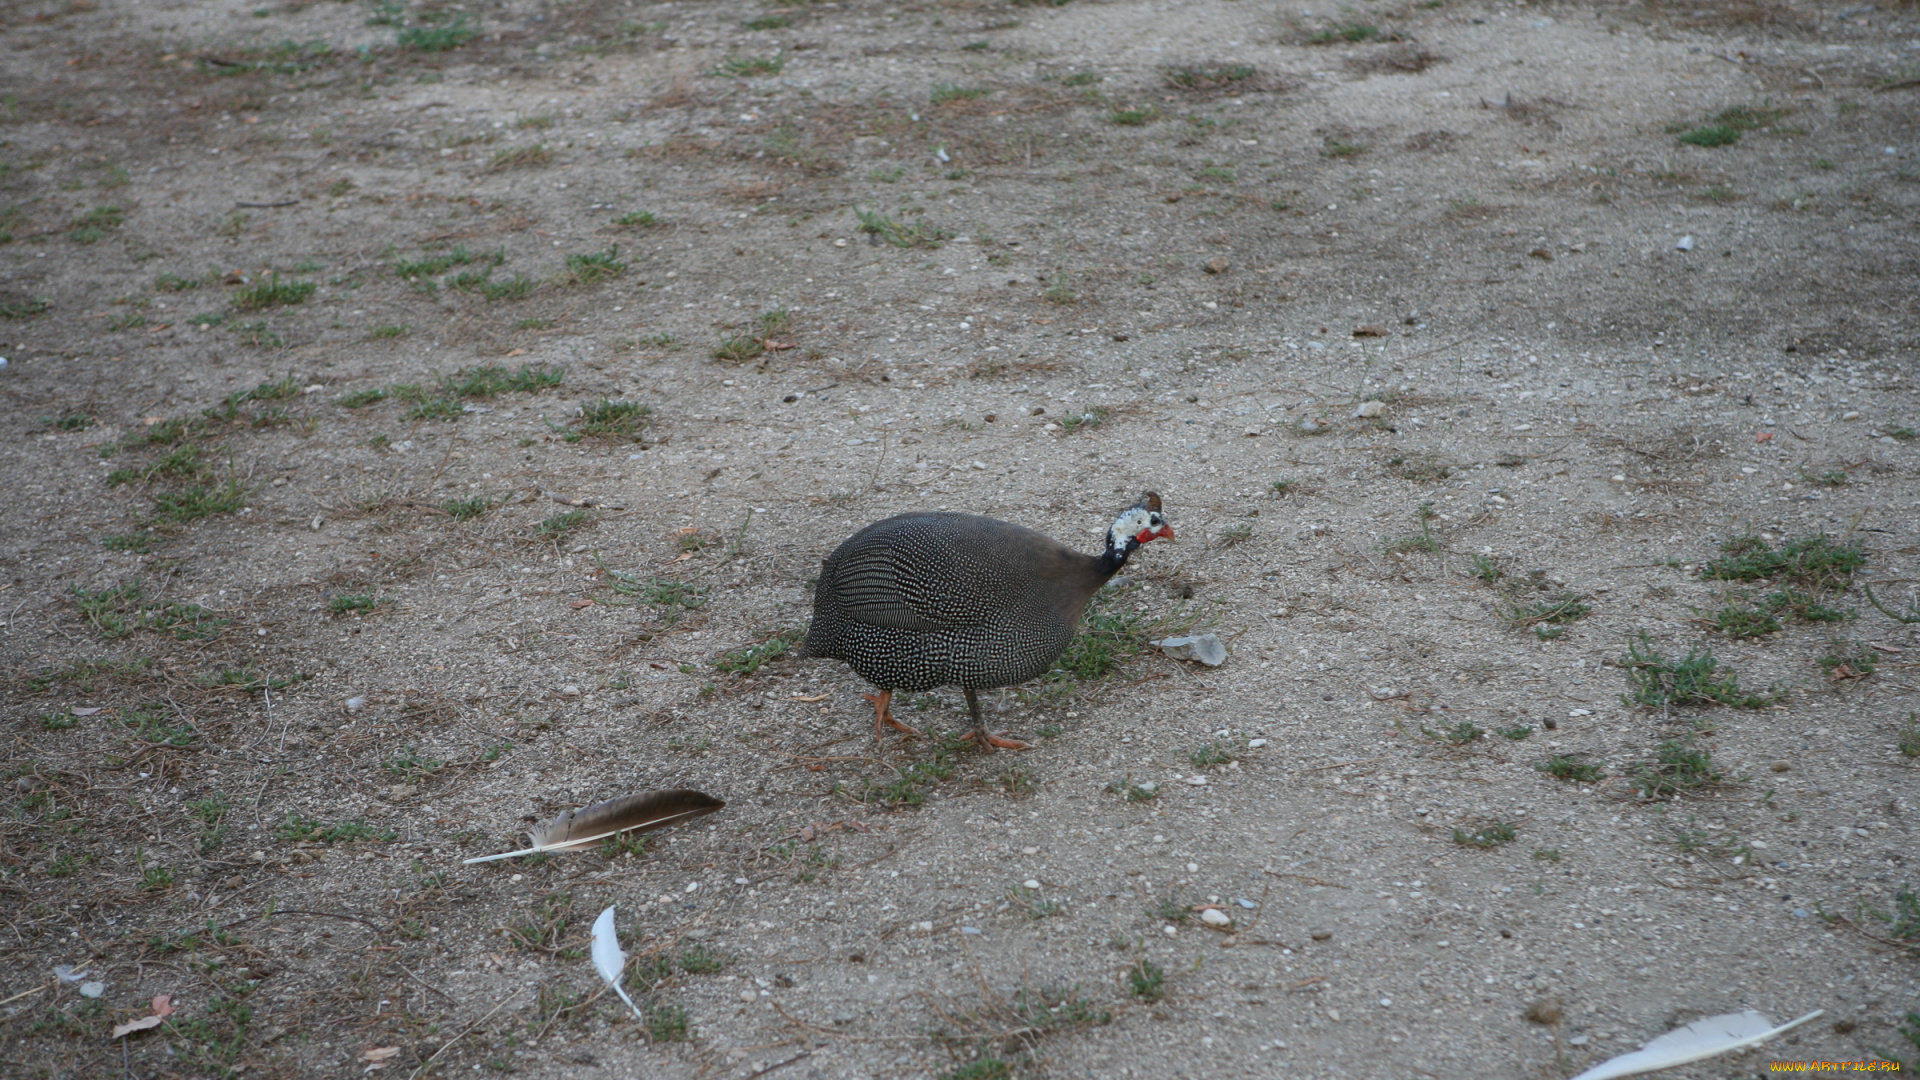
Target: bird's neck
[{"x": 1109, "y": 562}]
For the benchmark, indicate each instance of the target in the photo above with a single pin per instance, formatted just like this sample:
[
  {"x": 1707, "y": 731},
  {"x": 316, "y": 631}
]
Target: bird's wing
[{"x": 924, "y": 580}]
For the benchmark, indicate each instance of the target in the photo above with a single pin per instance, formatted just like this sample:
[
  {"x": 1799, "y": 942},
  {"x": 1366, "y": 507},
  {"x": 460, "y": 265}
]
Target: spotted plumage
[{"x": 944, "y": 599}]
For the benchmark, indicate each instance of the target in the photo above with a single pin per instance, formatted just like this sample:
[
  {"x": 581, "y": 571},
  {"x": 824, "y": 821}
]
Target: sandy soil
[{"x": 343, "y": 547}]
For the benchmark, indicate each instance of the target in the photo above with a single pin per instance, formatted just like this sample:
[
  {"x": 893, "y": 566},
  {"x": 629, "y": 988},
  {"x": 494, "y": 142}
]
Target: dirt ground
[{"x": 425, "y": 419}]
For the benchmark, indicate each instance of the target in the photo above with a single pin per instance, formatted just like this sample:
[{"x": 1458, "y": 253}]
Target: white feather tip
[{"x": 1701, "y": 1039}]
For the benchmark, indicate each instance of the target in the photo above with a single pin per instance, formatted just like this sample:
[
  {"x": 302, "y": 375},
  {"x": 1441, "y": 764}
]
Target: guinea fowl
[{"x": 941, "y": 599}]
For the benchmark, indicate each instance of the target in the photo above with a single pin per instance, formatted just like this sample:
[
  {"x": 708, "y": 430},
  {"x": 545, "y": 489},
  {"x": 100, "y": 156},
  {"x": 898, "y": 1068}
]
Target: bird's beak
[{"x": 1164, "y": 532}]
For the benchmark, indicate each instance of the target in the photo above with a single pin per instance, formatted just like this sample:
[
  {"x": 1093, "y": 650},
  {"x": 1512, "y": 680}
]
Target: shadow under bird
[{"x": 944, "y": 599}]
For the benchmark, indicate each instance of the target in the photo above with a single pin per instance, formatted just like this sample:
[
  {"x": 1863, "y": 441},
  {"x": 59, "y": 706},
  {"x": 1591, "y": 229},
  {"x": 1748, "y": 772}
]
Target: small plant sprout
[
  {"x": 1146, "y": 981},
  {"x": 1487, "y": 836},
  {"x": 1561, "y": 767}
]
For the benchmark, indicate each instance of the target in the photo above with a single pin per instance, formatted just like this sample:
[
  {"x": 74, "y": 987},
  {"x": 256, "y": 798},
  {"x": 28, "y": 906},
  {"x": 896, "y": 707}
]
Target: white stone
[
  {"x": 1215, "y": 917},
  {"x": 1370, "y": 408}
]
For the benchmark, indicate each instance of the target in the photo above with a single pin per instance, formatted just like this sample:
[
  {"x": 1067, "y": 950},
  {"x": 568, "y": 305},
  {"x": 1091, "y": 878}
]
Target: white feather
[
  {"x": 1700, "y": 1039},
  {"x": 609, "y": 959}
]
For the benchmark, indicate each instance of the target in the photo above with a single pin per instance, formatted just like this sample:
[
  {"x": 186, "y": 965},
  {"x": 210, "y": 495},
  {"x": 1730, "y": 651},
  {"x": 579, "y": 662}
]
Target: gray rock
[{"x": 1203, "y": 648}]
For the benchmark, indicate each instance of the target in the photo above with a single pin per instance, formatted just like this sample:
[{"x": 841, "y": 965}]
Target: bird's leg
[
  {"x": 883, "y": 715},
  {"x": 988, "y": 740}
]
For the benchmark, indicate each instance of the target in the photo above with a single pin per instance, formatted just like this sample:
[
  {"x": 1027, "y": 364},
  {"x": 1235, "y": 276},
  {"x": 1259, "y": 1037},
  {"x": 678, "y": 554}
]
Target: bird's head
[{"x": 1139, "y": 524}]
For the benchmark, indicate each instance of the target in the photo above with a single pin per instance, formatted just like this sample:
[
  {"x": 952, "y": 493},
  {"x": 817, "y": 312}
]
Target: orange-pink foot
[
  {"x": 883, "y": 715},
  {"x": 988, "y": 740}
]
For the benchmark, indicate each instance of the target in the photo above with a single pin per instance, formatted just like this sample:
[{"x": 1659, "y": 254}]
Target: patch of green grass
[
  {"x": 917, "y": 235},
  {"x": 272, "y": 292},
  {"x": 360, "y": 399},
  {"x": 560, "y": 525},
  {"x": 513, "y": 288},
  {"x": 638, "y": 219},
  {"x": 1090, "y": 420},
  {"x": 86, "y": 675},
  {"x": 774, "y": 21},
  {"x": 1907, "y": 737},
  {"x": 535, "y": 324},
  {"x": 1207, "y": 78},
  {"x": 156, "y": 722},
  {"x": 467, "y": 509},
  {"x": 433, "y": 39},
  {"x": 24, "y": 309},
  {"x": 1210, "y": 754},
  {"x": 1656, "y": 682},
  {"x": 1737, "y": 621},
  {"x": 1146, "y": 114},
  {"x": 593, "y": 268},
  {"x": 1561, "y": 767},
  {"x": 671, "y": 594},
  {"x": 411, "y": 766},
  {"x": 1811, "y": 561},
  {"x": 298, "y": 828},
  {"x": 886, "y": 176},
  {"x": 520, "y": 157},
  {"x": 1057, "y": 1008},
  {"x": 182, "y": 463},
  {"x": 1081, "y": 78},
  {"x": 1059, "y": 290},
  {"x": 486, "y": 382},
  {"x": 153, "y": 877},
  {"x": 119, "y": 610},
  {"x": 1515, "y": 732},
  {"x": 739, "y": 348},
  {"x": 1146, "y": 981},
  {"x": 1711, "y": 135},
  {"x": 1340, "y": 148},
  {"x": 1133, "y": 792},
  {"x": 1488, "y": 836},
  {"x": 748, "y": 67},
  {"x": 1563, "y": 608},
  {"x": 438, "y": 408},
  {"x": 910, "y": 785},
  {"x": 175, "y": 283},
  {"x": 1848, "y": 660},
  {"x": 1351, "y": 33},
  {"x": 1803, "y": 606},
  {"x": 59, "y": 721},
  {"x": 946, "y": 92},
  {"x": 608, "y": 419},
  {"x": 1237, "y": 533},
  {"x": 245, "y": 679},
  {"x": 1032, "y": 904},
  {"x": 667, "y": 1023},
  {"x": 1547, "y": 854},
  {"x": 419, "y": 273},
  {"x": 1425, "y": 542},
  {"x": 194, "y": 503},
  {"x": 1679, "y": 766},
  {"x": 749, "y": 659},
  {"x": 351, "y": 603},
  {"x": 1487, "y": 569},
  {"x": 1902, "y": 434},
  {"x": 1422, "y": 468},
  {"x": 1460, "y": 734},
  {"x": 134, "y": 543}
]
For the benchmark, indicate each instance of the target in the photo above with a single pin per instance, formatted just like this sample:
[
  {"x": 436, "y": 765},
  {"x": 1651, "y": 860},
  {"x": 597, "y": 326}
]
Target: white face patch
[{"x": 1131, "y": 524}]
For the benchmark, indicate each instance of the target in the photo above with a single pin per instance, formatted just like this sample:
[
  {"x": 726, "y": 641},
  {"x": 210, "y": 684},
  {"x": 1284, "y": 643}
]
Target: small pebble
[
  {"x": 970, "y": 930},
  {"x": 570, "y": 690},
  {"x": 1255, "y": 744},
  {"x": 1215, "y": 917},
  {"x": 1781, "y": 766},
  {"x": 1171, "y": 930},
  {"x": 1580, "y": 1040},
  {"x": 1218, "y": 265},
  {"x": 1370, "y": 408},
  {"x": 92, "y": 989},
  {"x": 1320, "y": 933},
  {"x": 355, "y": 704},
  {"x": 1030, "y": 883},
  {"x": 1685, "y": 243},
  {"x": 1197, "y": 781}
]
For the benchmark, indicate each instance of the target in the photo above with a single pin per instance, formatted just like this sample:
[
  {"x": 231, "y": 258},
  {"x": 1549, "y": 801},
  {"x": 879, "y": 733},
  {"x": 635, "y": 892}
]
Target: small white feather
[
  {"x": 609, "y": 959},
  {"x": 1700, "y": 1039}
]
